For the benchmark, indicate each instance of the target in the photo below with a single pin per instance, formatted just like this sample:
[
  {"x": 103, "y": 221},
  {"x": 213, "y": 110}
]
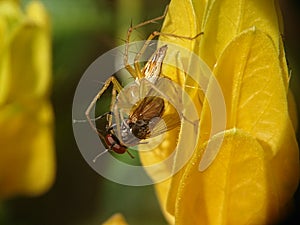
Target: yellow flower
[
  {"x": 116, "y": 219},
  {"x": 26, "y": 118},
  {"x": 256, "y": 170}
]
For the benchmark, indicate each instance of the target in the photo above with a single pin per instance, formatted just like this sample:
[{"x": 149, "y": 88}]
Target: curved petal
[
  {"x": 241, "y": 176},
  {"x": 242, "y": 43},
  {"x": 216, "y": 195},
  {"x": 116, "y": 219},
  {"x": 249, "y": 74},
  {"x": 27, "y": 148},
  {"x": 226, "y": 19},
  {"x": 10, "y": 20},
  {"x": 31, "y": 77},
  {"x": 184, "y": 18}
]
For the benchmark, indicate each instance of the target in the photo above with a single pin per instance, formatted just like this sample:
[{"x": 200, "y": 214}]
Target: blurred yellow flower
[
  {"x": 116, "y": 219},
  {"x": 256, "y": 171},
  {"x": 26, "y": 118}
]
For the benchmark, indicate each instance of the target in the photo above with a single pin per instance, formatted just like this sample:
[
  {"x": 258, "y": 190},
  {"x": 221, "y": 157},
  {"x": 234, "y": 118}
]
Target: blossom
[
  {"x": 256, "y": 170},
  {"x": 26, "y": 118},
  {"x": 116, "y": 219}
]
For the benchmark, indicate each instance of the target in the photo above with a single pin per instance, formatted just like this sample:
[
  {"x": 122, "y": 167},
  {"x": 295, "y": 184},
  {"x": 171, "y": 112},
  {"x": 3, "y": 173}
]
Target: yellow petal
[
  {"x": 13, "y": 1},
  {"x": 168, "y": 145},
  {"x": 41, "y": 168},
  {"x": 158, "y": 155},
  {"x": 227, "y": 18},
  {"x": 10, "y": 20},
  {"x": 285, "y": 168},
  {"x": 116, "y": 219},
  {"x": 226, "y": 192},
  {"x": 183, "y": 19},
  {"x": 249, "y": 74},
  {"x": 186, "y": 145},
  {"x": 162, "y": 192},
  {"x": 31, "y": 77},
  {"x": 27, "y": 148},
  {"x": 283, "y": 66},
  {"x": 241, "y": 176},
  {"x": 252, "y": 72},
  {"x": 42, "y": 46}
]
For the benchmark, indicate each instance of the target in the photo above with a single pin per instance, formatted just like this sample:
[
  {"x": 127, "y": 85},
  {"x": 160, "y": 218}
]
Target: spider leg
[
  {"x": 128, "y": 152},
  {"x": 135, "y": 72},
  {"x": 116, "y": 88},
  {"x": 148, "y": 41},
  {"x": 174, "y": 101}
]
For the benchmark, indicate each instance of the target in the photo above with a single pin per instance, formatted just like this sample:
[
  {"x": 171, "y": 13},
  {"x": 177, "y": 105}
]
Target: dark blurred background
[
  {"x": 82, "y": 31},
  {"x": 291, "y": 15}
]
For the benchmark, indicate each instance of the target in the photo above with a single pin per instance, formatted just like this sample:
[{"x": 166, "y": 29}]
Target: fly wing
[
  {"x": 148, "y": 108},
  {"x": 152, "y": 69},
  {"x": 168, "y": 122}
]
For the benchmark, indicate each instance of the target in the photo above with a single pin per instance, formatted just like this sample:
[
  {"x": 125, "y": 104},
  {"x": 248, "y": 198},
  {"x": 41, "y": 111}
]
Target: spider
[{"x": 147, "y": 113}]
